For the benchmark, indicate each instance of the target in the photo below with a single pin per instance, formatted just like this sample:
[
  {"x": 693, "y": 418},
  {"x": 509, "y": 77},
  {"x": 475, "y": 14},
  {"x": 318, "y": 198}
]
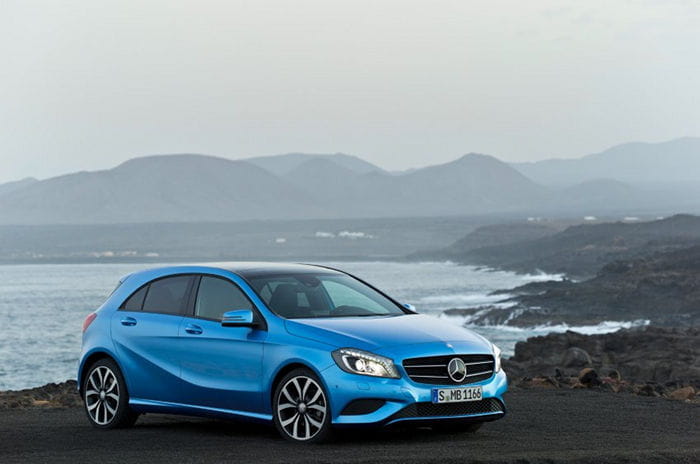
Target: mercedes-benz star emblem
[{"x": 457, "y": 370}]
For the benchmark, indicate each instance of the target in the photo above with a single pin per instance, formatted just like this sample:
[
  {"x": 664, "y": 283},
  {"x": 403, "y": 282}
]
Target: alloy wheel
[
  {"x": 102, "y": 395},
  {"x": 301, "y": 408}
]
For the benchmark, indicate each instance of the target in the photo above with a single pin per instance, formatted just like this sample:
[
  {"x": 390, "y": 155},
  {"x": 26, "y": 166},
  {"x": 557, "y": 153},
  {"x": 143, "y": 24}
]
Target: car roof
[
  {"x": 242, "y": 268},
  {"x": 253, "y": 268}
]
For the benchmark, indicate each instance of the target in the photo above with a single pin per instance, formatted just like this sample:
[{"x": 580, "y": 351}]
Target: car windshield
[{"x": 305, "y": 295}]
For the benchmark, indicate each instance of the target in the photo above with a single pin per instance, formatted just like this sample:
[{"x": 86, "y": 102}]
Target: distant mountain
[
  {"x": 170, "y": 188},
  {"x": 193, "y": 188},
  {"x": 582, "y": 250},
  {"x": 672, "y": 162},
  {"x": 283, "y": 164},
  {"x": 472, "y": 184},
  {"x": 189, "y": 188},
  {"x": 16, "y": 185}
]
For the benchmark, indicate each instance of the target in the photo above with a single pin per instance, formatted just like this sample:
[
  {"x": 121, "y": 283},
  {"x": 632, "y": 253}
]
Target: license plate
[{"x": 456, "y": 395}]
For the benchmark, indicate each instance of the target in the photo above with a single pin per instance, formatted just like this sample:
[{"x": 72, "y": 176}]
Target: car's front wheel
[
  {"x": 105, "y": 396},
  {"x": 301, "y": 409}
]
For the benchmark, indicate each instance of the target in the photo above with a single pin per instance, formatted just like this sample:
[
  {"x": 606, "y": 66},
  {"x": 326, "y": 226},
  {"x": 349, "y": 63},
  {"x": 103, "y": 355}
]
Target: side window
[
  {"x": 135, "y": 301},
  {"x": 167, "y": 295},
  {"x": 217, "y": 296}
]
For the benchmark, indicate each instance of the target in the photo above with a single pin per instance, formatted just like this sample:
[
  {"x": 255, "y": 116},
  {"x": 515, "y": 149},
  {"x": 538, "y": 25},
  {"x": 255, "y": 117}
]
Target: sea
[{"x": 42, "y": 307}]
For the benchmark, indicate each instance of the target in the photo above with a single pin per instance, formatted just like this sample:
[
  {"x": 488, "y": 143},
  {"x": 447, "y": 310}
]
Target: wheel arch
[
  {"x": 92, "y": 358},
  {"x": 286, "y": 369}
]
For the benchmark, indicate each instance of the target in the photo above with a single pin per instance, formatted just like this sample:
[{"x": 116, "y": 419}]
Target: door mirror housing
[
  {"x": 410, "y": 307},
  {"x": 238, "y": 318}
]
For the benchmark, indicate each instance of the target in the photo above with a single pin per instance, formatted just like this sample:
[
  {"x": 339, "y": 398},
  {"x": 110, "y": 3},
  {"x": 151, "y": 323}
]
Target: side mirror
[
  {"x": 238, "y": 318},
  {"x": 410, "y": 307}
]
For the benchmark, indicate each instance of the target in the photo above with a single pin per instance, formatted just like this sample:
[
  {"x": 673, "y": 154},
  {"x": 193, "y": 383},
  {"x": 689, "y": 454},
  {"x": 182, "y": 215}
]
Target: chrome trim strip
[
  {"x": 426, "y": 365},
  {"x": 475, "y": 363},
  {"x": 445, "y": 417}
]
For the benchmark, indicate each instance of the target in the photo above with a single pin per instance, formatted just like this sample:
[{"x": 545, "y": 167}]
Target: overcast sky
[{"x": 87, "y": 84}]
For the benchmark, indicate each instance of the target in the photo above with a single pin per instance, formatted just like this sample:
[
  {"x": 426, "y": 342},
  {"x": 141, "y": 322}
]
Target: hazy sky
[{"x": 88, "y": 84}]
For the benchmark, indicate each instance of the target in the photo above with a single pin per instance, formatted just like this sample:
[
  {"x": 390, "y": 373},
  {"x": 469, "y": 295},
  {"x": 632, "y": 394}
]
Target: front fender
[{"x": 278, "y": 357}]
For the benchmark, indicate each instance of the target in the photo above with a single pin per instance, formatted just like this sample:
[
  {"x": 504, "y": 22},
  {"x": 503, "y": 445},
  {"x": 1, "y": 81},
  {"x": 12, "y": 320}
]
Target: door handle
[
  {"x": 128, "y": 321},
  {"x": 193, "y": 329}
]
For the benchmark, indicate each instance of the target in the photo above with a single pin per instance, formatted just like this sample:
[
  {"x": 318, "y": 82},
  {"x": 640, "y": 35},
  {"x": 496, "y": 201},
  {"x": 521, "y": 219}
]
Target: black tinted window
[
  {"x": 167, "y": 295},
  {"x": 322, "y": 295},
  {"x": 135, "y": 301},
  {"x": 217, "y": 296}
]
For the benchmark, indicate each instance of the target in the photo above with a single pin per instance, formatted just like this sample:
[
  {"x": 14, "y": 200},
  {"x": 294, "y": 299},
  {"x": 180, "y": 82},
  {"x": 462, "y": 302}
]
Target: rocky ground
[
  {"x": 649, "y": 361},
  {"x": 53, "y": 395}
]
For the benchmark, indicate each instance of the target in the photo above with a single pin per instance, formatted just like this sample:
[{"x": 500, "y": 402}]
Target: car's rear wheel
[
  {"x": 105, "y": 396},
  {"x": 301, "y": 409}
]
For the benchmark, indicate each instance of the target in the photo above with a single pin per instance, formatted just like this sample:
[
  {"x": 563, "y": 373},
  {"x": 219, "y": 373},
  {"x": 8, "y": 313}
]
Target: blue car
[{"x": 308, "y": 348}]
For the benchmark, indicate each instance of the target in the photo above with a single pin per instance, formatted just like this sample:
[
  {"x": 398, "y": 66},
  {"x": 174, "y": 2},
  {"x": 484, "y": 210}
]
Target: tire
[
  {"x": 458, "y": 427},
  {"x": 105, "y": 396},
  {"x": 301, "y": 409}
]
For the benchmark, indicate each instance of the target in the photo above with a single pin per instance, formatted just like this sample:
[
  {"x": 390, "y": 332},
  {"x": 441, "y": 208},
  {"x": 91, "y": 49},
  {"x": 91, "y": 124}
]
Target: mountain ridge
[
  {"x": 196, "y": 187},
  {"x": 193, "y": 187},
  {"x": 671, "y": 161}
]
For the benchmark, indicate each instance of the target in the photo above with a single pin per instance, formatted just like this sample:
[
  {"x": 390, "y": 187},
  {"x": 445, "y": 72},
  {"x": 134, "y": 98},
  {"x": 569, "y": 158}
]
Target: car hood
[{"x": 378, "y": 333}]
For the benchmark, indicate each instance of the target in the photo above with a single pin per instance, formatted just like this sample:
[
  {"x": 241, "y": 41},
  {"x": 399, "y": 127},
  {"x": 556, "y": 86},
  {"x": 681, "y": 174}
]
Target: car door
[
  {"x": 145, "y": 331},
  {"x": 221, "y": 366}
]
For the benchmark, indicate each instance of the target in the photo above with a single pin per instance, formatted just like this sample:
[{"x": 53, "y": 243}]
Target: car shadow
[{"x": 230, "y": 428}]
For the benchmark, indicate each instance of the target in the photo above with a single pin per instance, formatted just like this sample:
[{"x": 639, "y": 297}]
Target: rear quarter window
[
  {"x": 168, "y": 295},
  {"x": 135, "y": 301}
]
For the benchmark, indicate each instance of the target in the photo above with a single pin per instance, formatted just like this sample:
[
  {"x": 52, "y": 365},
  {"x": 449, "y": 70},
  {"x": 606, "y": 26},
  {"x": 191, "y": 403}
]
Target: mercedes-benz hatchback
[{"x": 308, "y": 348}]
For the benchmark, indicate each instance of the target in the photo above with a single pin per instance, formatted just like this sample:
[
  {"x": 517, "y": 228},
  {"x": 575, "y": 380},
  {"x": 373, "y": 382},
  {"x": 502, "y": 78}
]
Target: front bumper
[{"x": 407, "y": 401}]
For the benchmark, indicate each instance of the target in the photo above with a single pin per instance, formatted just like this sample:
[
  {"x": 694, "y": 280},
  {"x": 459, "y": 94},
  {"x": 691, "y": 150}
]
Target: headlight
[
  {"x": 364, "y": 363},
  {"x": 497, "y": 357}
]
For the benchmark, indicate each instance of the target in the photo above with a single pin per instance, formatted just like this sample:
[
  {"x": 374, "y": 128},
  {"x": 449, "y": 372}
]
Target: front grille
[
  {"x": 433, "y": 369},
  {"x": 485, "y": 406}
]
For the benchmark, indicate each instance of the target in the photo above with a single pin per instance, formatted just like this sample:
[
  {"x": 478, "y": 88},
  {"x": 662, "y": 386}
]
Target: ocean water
[{"x": 42, "y": 307}]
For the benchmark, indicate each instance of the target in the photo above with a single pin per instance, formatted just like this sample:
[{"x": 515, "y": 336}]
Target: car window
[
  {"x": 135, "y": 301},
  {"x": 167, "y": 295},
  {"x": 322, "y": 295},
  {"x": 343, "y": 295},
  {"x": 217, "y": 296}
]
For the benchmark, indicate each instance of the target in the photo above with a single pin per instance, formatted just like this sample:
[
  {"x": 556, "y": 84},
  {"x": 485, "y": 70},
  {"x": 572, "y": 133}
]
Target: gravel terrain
[{"x": 543, "y": 425}]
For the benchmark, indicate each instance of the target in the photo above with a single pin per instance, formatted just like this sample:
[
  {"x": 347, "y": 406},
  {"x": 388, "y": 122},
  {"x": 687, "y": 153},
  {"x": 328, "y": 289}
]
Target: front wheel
[
  {"x": 301, "y": 409},
  {"x": 105, "y": 396}
]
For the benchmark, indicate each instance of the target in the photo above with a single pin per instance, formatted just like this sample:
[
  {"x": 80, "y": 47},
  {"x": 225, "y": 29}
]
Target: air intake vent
[{"x": 485, "y": 406}]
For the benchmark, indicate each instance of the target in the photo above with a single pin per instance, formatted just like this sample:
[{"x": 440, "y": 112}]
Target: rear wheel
[
  {"x": 301, "y": 409},
  {"x": 105, "y": 396}
]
